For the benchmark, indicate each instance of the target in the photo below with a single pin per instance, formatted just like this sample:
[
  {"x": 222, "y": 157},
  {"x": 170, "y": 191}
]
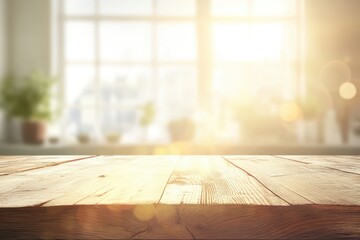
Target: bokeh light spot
[
  {"x": 334, "y": 73},
  {"x": 144, "y": 212},
  {"x": 347, "y": 90},
  {"x": 290, "y": 112}
]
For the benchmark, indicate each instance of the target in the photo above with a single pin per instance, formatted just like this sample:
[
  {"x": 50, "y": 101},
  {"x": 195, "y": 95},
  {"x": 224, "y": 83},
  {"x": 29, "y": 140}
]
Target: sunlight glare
[{"x": 241, "y": 42}]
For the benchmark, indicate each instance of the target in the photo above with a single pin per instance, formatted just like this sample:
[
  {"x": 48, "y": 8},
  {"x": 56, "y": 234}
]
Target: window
[
  {"x": 117, "y": 55},
  {"x": 255, "y": 66}
]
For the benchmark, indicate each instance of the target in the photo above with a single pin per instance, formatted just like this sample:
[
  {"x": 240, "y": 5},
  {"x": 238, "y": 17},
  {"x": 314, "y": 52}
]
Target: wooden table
[{"x": 184, "y": 197}]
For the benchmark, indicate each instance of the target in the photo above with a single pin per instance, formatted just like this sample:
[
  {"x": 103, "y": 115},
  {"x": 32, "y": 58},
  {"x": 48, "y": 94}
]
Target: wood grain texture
[
  {"x": 40, "y": 185},
  {"x": 181, "y": 222},
  {"x": 121, "y": 179},
  {"x": 102, "y": 179},
  {"x": 302, "y": 183},
  {"x": 347, "y": 164},
  {"x": 183, "y": 197},
  {"x": 271, "y": 222},
  {"x": 16, "y": 164},
  {"x": 212, "y": 180}
]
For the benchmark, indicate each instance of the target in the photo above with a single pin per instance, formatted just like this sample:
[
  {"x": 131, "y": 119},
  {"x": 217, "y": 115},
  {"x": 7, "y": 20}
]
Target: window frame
[{"x": 204, "y": 22}]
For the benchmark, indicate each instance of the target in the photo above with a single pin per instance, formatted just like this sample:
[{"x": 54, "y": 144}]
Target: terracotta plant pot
[{"x": 33, "y": 132}]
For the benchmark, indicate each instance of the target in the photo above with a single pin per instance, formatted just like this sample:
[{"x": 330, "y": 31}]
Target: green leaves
[
  {"x": 27, "y": 98},
  {"x": 148, "y": 114}
]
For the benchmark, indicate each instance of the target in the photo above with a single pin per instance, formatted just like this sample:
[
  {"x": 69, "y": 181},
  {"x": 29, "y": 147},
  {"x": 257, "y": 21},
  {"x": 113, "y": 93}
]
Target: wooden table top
[{"x": 188, "y": 197}]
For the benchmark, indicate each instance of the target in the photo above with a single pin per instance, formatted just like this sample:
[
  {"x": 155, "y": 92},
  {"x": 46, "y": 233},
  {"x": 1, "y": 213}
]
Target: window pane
[
  {"x": 125, "y": 85},
  {"x": 125, "y": 41},
  {"x": 230, "y": 7},
  {"x": 274, "y": 7},
  {"x": 232, "y": 80},
  {"x": 176, "y": 92},
  {"x": 125, "y": 7},
  {"x": 252, "y": 42},
  {"x": 176, "y": 7},
  {"x": 79, "y": 85},
  {"x": 79, "y": 7},
  {"x": 231, "y": 42},
  {"x": 267, "y": 41},
  {"x": 176, "y": 41},
  {"x": 268, "y": 79},
  {"x": 80, "y": 121},
  {"x": 263, "y": 81},
  {"x": 79, "y": 41},
  {"x": 118, "y": 120}
]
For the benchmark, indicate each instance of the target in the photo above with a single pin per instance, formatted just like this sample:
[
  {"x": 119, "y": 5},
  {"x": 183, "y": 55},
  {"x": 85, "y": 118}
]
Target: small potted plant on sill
[
  {"x": 83, "y": 138},
  {"x": 29, "y": 100}
]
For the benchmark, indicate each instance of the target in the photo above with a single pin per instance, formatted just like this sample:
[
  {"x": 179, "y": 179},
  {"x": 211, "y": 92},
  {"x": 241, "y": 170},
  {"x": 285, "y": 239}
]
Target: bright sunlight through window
[{"x": 232, "y": 61}]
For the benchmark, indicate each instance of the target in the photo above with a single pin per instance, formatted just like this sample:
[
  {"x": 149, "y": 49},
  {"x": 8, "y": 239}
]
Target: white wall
[
  {"x": 3, "y": 56},
  {"x": 3, "y": 36},
  {"x": 29, "y": 36}
]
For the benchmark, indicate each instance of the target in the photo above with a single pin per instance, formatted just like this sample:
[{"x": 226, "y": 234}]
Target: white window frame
[{"x": 204, "y": 63}]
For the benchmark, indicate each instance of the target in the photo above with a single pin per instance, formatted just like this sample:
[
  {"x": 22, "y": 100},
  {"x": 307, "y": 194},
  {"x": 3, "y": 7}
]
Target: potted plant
[
  {"x": 112, "y": 137},
  {"x": 182, "y": 129},
  {"x": 29, "y": 100},
  {"x": 83, "y": 138}
]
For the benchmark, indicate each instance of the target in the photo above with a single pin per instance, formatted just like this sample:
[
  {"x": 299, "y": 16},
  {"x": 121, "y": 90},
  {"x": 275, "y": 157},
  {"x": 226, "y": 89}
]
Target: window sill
[{"x": 91, "y": 149}]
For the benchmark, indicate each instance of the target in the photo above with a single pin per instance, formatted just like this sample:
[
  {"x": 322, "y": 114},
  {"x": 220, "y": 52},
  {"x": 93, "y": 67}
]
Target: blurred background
[{"x": 180, "y": 76}]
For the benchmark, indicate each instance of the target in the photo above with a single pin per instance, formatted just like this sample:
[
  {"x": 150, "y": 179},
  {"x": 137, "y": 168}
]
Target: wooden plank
[
  {"x": 30, "y": 175},
  {"x": 271, "y": 222},
  {"x": 92, "y": 222},
  {"x": 236, "y": 197},
  {"x": 351, "y": 156},
  {"x": 132, "y": 179},
  {"x": 16, "y": 164},
  {"x": 348, "y": 164},
  {"x": 212, "y": 180},
  {"x": 15, "y": 160},
  {"x": 142, "y": 181},
  {"x": 69, "y": 222},
  {"x": 94, "y": 179},
  {"x": 181, "y": 222},
  {"x": 301, "y": 183},
  {"x": 36, "y": 187}
]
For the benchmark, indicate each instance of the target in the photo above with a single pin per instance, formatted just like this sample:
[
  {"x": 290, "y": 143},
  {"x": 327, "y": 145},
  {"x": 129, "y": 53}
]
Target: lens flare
[
  {"x": 290, "y": 112},
  {"x": 347, "y": 90}
]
